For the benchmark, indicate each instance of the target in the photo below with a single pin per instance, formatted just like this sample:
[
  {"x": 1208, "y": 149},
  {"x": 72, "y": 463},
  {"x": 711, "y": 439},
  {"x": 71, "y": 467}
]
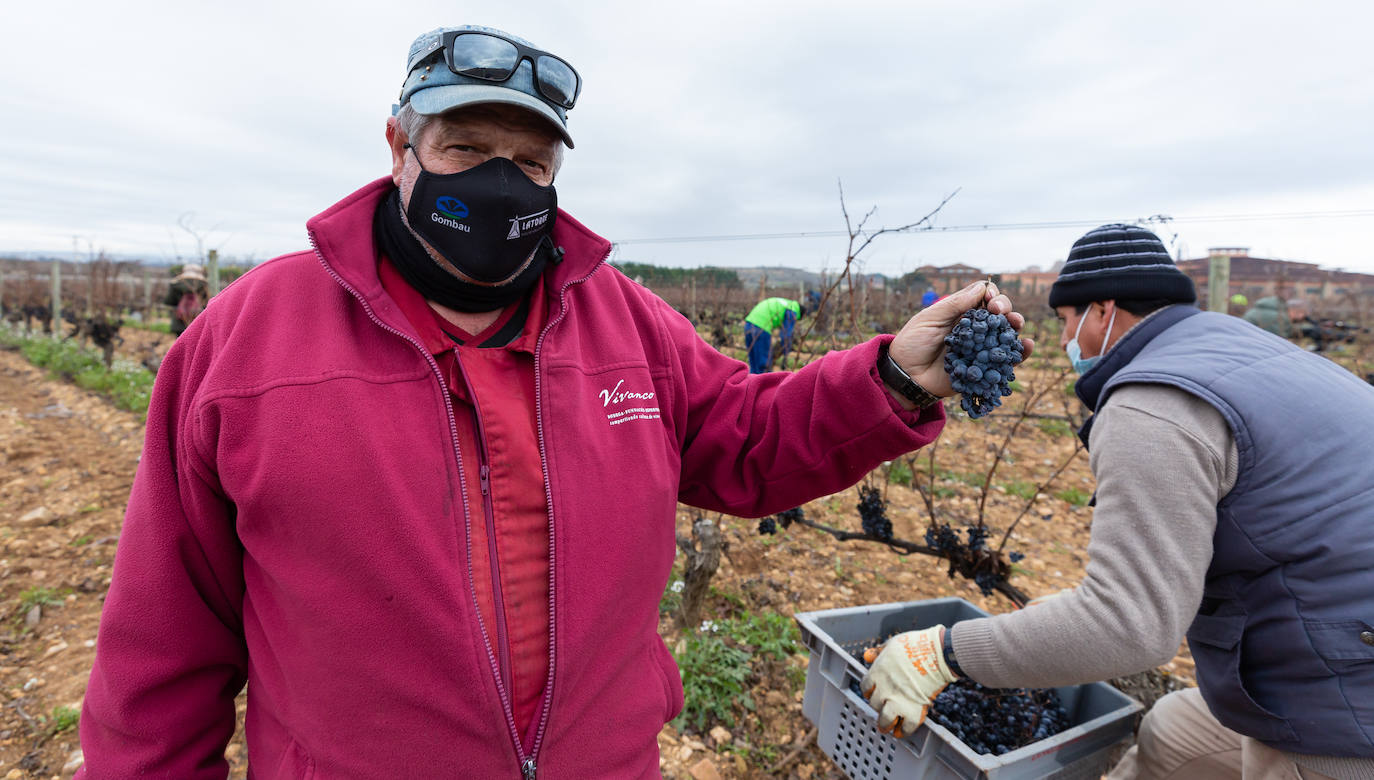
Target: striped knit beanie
[{"x": 1120, "y": 262}]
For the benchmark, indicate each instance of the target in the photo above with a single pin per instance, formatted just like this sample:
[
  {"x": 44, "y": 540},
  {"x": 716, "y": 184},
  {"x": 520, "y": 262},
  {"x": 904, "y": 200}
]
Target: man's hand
[
  {"x": 919, "y": 348},
  {"x": 907, "y": 676}
]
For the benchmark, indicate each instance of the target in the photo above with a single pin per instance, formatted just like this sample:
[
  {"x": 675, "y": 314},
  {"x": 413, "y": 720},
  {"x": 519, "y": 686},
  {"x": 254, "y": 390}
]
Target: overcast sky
[{"x": 707, "y": 118}]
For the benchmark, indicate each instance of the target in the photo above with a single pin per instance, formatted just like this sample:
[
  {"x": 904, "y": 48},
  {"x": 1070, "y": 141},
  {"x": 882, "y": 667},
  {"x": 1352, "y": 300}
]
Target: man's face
[
  {"x": 1094, "y": 327},
  {"x": 468, "y": 137}
]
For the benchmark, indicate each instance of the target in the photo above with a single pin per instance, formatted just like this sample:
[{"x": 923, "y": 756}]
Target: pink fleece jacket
[{"x": 284, "y": 530}]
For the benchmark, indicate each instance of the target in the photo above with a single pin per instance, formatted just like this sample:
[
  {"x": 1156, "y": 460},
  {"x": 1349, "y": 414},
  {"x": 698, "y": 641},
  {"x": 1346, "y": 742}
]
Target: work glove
[{"x": 909, "y": 672}]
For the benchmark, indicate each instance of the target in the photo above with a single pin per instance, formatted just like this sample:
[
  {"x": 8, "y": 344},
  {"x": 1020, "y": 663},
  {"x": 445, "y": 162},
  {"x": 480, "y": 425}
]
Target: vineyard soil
[{"x": 67, "y": 459}]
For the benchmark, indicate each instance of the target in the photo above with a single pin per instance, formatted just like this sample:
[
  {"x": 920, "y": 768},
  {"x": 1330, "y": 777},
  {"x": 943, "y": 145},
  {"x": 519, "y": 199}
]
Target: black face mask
[
  {"x": 486, "y": 221},
  {"x": 437, "y": 283}
]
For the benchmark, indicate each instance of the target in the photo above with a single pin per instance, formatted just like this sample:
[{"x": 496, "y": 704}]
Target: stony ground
[{"x": 67, "y": 460}]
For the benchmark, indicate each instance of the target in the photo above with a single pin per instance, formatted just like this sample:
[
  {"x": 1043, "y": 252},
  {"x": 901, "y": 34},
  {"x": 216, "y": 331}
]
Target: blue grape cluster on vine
[
  {"x": 789, "y": 516},
  {"x": 972, "y": 558},
  {"x": 873, "y": 513},
  {"x": 981, "y": 352},
  {"x": 977, "y": 537},
  {"x": 769, "y": 525},
  {"x": 944, "y": 540}
]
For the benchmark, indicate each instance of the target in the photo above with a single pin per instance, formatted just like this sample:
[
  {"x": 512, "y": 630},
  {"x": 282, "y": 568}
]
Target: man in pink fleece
[{"x": 417, "y": 485}]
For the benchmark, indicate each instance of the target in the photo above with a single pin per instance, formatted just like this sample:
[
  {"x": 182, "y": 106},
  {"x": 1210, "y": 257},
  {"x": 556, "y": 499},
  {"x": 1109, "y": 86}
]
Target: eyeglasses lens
[
  {"x": 484, "y": 57},
  {"x": 557, "y": 81}
]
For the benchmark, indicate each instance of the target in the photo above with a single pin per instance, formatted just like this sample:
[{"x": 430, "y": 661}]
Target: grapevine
[
  {"x": 980, "y": 563},
  {"x": 974, "y": 559}
]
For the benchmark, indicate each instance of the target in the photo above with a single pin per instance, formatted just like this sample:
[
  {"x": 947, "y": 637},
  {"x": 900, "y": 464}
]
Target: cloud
[{"x": 717, "y": 118}]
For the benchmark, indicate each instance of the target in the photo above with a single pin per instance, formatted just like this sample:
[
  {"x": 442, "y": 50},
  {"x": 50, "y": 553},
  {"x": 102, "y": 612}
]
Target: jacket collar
[
  {"x": 1089, "y": 387},
  {"x": 342, "y": 235}
]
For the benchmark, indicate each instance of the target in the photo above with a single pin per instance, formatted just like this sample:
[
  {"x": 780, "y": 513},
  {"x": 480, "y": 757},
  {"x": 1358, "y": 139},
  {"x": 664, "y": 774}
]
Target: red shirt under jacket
[{"x": 496, "y": 404}]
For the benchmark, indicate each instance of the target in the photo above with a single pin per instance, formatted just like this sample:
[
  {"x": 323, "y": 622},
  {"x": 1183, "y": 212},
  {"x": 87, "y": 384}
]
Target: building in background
[
  {"x": 950, "y": 278},
  {"x": 1332, "y": 291},
  {"x": 1031, "y": 284}
]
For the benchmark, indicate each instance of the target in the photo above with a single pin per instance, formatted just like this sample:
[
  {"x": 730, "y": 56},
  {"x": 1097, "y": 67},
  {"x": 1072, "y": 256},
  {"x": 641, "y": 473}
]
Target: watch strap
[
  {"x": 948, "y": 647},
  {"x": 894, "y": 377}
]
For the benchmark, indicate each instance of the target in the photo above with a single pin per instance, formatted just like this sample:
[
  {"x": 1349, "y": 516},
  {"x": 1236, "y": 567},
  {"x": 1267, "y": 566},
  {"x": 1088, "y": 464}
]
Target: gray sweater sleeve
[{"x": 1162, "y": 458}]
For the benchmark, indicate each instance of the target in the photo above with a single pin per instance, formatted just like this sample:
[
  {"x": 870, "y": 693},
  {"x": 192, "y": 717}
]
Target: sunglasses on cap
[{"x": 495, "y": 58}]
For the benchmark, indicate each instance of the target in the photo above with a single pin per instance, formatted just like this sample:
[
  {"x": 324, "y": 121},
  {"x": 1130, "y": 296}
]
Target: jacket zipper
[
  {"x": 489, "y": 515},
  {"x": 527, "y": 765},
  {"x": 548, "y": 497}
]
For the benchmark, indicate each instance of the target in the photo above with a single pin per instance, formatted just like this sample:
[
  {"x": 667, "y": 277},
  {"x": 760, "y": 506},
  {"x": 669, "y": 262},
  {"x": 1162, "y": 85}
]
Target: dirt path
[{"x": 67, "y": 459}]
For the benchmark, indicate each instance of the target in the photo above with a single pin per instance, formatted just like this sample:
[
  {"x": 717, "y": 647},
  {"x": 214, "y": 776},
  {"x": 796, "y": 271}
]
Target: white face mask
[{"x": 1080, "y": 363}]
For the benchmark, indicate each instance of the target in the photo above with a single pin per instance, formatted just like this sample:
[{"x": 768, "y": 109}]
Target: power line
[{"x": 999, "y": 226}]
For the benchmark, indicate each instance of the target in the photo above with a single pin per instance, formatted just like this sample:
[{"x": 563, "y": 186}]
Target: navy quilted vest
[{"x": 1284, "y": 637}]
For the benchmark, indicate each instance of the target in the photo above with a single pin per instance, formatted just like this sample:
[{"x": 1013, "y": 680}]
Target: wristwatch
[
  {"x": 948, "y": 647},
  {"x": 894, "y": 377}
]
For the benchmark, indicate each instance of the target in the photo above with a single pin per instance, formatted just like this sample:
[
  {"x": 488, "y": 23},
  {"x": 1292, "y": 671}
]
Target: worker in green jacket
[
  {"x": 770, "y": 314},
  {"x": 1271, "y": 314}
]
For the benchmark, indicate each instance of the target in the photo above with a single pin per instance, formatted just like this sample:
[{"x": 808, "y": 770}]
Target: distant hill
[
  {"x": 782, "y": 276},
  {"x": 83, "y": 256}
]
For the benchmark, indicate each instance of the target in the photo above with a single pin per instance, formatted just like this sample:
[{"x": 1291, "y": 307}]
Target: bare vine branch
[
  {"x": 1029, "y": 403},
  {"x": 905, "y": 547},
  {"x": 852, "y": 255},
  {"x": 1042, "y": 487}
]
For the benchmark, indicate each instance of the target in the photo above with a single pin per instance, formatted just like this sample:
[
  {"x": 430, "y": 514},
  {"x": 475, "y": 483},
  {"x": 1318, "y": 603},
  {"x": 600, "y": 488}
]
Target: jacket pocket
[
  {"x": 1216, "y": 644},
  {"x": 669, "y": 676},
  {"x": 1341, "y": 643}
]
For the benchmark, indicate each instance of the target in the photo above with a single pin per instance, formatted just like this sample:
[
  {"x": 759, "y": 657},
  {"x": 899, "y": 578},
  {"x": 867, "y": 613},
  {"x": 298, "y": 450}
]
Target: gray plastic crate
[{"x": 847, "y": 728}]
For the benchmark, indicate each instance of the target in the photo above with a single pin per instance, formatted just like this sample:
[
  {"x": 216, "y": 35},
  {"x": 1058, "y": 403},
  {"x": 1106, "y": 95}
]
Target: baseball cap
[{"x": 432, "y": 88}]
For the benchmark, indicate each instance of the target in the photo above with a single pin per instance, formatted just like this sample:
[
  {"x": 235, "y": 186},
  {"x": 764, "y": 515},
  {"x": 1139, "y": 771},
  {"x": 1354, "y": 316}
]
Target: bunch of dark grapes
[
  {"x": 982, "y": 349},
  {"x": 977, "y": 537},
  {"x": 944, "y": 540},
  {"x": 996, "y": 721},
  {"x": 993, "y": 721},
  {"x": 873, "y": 513},
  {"x": 974, "y": 559},
  {"x": 785, "y": 518},
  {"x": 789, "y": 516}
]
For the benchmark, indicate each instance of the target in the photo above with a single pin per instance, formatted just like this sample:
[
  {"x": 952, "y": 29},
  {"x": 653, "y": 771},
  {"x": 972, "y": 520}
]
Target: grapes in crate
[
  {"x": 996, "y": 720},
  {"x": 992, "y": 721},
  {"x": 981, "y": 354}
]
